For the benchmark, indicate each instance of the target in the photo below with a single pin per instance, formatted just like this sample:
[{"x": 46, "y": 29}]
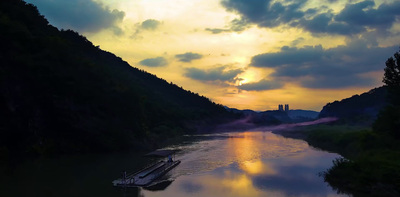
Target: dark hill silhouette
[
  {"x": 60, "y": 93},
  {"x": 358, "y": 109},
  {"x": 274, "y": 117},
  {"x": 303, "y": 114}
]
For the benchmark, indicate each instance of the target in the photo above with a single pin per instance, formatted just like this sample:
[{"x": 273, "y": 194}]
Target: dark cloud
[
  {"x": 154, "y": 62},
  {"x": 355, "y": 18},
  {"x": 188, "y": 57},
  {"x": 150, "y": 24},
  {"x": 363, "y": 14},
  {"x": 323, "y": 23},
  {"x": 266, "y": 13},
  {"x": 262, "y": 85},
  {"x": 253, "y": 10},
  {"x": 236, "y": 25},
  {"x": 147, "y": 25},
  {"x": 287, "y": 56},
  {"x": 216, "y": 74},
  {"x": 315, "y": 67},
  {"x": 80, "y": 15}
]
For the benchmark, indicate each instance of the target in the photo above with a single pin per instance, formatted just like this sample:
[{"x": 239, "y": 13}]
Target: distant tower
[
  {"x": 286, "y": 107},
  {"x": 280, "y": 108}
]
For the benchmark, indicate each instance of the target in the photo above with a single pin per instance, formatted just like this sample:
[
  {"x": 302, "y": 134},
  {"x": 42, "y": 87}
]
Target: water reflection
[
  {"x": 65, "y": 176},
  {"x": 229, "y": 164},
  {"x": 249, "y": 164},
  {"x": 159, "y": 185}
]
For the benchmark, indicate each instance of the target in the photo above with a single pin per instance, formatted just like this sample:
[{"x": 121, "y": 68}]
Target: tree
[
  {"x": 392, "y": 78},
  {"x": 392, "y": 71},
  {"x": 388, "y": 120}
]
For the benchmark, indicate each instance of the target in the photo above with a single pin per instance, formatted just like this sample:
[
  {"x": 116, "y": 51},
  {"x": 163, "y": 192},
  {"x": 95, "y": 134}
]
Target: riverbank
[
  {"x": 248, "y": 163},
  {"x": 371, "y": 163}
]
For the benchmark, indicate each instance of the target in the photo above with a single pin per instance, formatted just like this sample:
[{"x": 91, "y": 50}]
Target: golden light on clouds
[{"x": 307, "y": 51}]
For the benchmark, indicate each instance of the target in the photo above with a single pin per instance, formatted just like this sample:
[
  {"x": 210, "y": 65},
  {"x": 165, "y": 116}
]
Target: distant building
[
  {"x": 286, "y": 107},
  {"x": 280, "y": 107}
]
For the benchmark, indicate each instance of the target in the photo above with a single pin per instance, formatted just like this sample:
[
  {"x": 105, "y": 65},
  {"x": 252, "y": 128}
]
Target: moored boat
[{"x": 147, "y": 175}]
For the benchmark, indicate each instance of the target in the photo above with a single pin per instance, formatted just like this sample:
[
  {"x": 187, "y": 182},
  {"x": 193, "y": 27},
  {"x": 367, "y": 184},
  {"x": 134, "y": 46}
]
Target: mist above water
[{"x": 247, "y": 124}]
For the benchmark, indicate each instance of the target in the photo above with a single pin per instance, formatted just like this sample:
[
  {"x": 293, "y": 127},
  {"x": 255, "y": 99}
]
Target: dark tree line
[
  {"x": 388, "y": 121},
  {"x": 372, "y": 163},
  {"x": 392, "y": 71},
  {"x": 60, "y": 94}
]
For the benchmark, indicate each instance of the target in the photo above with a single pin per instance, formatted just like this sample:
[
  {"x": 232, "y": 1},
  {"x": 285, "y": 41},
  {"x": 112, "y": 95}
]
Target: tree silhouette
[
  {"x": 392, "y": 71},
  {"x": 388, "y": 121},
  {"x": 61, "y": 94}
]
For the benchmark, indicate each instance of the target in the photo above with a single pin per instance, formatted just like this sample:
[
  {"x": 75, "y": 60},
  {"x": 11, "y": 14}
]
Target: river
[{"x": 252, "y": 163}]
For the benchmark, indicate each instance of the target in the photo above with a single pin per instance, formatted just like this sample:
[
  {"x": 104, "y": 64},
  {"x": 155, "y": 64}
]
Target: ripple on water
[{"x": 248, "y": 164}]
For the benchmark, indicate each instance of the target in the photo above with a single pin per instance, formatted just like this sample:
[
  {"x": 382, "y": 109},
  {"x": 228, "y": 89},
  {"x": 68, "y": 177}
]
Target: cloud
[
  {"x": 297, "y": 41},
  {"x": 80, "y": 15},
  {"x": 315, "y": 67},
  {"x": 239, "y": 25},
  {"x": 292, "y": 181},
  {"x": 262, "y": 85},
  {"x": 150, "y": 24},
  {"x": 363, "y": 14},
  {"x": 147, "y": 25},
  {"x": 217, "y": 30},
  {"x": 354, "y": 18},
  {"x": 188, "y": 57},
  {"x": 324, "y": 24},
  {"x": 338, "y": 81},
  {"x": 266, "y": 13},
  {"x": 154, "y": 62},
  {"x": 215, "y": 74},
  {"x": 288, "y": 55},
  {"x": 236, "y": 25}
]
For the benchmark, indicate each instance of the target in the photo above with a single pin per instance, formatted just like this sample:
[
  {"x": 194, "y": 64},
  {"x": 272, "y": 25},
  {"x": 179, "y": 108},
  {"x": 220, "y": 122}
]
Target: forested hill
[
  {"x": 60, "y": 93},
  {"x": 358, "y": 109}
]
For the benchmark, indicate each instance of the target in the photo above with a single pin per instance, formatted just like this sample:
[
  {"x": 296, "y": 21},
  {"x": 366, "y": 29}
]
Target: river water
[{"x": 252, "y": 163}]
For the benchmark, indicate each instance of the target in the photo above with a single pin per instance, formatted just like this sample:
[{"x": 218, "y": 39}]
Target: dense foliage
[
  {"x": 358, "y": 109},
  {"x": 388, "y": 122},
  {"x": 372, "y": 164},
  {"x": 60, "y": 93},
  {"x": 392, "y": 71}
]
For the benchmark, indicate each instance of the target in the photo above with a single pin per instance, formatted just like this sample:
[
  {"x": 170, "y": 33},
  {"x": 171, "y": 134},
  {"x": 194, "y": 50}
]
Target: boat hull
[{"x": 147, "y": 175}]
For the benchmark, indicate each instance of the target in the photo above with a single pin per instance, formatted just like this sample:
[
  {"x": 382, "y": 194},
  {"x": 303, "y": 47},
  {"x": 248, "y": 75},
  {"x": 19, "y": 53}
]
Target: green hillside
[{"x": 60, "y": 94}]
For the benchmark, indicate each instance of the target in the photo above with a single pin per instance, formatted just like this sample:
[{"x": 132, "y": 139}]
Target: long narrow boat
[{"x": 147, "y": 175}]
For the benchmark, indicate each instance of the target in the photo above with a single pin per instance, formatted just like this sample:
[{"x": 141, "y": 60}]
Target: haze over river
[{"x": 252, "y": 163}]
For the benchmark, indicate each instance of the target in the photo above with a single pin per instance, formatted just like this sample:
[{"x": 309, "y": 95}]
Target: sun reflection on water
[{"x": 249, "y": 164}]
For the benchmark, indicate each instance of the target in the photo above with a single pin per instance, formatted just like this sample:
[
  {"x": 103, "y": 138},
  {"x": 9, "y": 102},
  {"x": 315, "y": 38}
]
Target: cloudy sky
[{"x": 246, "y": 54}]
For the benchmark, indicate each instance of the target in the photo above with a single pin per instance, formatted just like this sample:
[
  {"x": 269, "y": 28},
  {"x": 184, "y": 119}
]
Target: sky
[{"x": 245, "y": 54}]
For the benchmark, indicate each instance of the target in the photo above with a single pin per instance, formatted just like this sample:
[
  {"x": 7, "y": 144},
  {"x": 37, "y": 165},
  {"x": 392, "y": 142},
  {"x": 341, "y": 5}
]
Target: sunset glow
[{"x": 244, "y": 54}]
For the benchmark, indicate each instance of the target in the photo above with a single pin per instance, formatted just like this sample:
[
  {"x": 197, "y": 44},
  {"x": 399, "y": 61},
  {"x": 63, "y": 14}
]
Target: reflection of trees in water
[{"x": 374, "y": 156}]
